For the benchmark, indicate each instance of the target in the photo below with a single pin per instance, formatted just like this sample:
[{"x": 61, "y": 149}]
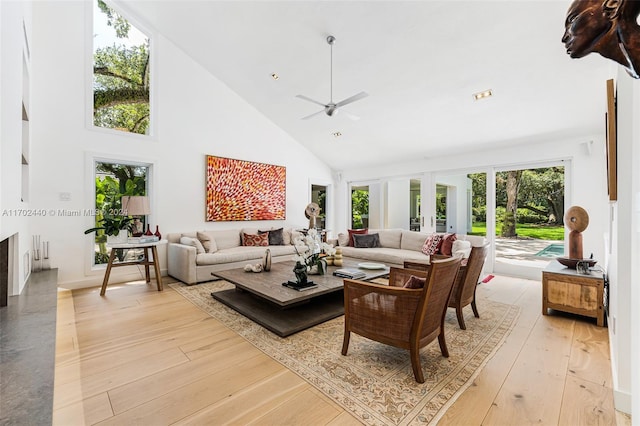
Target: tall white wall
[
  {"x": 13, "y": 211},
  {"x": 624, "y": 259},
  {"x": 195, "y": 115}
]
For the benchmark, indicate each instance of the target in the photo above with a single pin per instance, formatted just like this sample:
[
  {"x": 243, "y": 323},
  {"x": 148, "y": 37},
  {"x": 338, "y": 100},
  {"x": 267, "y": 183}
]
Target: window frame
[
  {"x": 121, "y": 9},
  {"x": 91, "y": 160}
]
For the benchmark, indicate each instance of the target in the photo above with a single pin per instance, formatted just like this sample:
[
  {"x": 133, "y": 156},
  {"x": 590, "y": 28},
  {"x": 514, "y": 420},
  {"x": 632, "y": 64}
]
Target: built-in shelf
[{"x": 26, "y": 138}]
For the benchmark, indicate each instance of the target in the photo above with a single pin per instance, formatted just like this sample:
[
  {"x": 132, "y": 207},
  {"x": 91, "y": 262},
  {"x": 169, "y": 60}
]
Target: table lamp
[{"x": 136, "y": 206}]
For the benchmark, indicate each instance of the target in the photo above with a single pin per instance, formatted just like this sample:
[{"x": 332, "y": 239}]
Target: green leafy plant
[{"x": 112, "y": 225}]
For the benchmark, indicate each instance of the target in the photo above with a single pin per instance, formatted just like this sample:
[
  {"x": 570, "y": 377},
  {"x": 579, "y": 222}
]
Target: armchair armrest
[{"x": 181, "y": 260}]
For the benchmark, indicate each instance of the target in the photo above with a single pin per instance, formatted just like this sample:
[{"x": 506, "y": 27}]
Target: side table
[
  {"x": 566, "y": 290},
  {"x": 146, "y": 261}
]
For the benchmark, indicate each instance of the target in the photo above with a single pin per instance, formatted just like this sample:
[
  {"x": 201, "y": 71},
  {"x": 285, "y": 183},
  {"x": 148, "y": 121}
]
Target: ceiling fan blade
[
  {"x": 353, "y": 98},
  {"x": 310, "y": 100},
  {"x": 312, "y": 115}
]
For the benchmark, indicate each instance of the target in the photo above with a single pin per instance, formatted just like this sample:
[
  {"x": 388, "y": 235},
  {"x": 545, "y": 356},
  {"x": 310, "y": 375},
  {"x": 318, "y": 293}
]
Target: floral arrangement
[{"x": 310, "y": 251}]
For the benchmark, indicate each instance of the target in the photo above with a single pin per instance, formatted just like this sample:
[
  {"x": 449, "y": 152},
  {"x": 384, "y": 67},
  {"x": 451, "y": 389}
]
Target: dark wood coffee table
[{"x": 262, "y": 298}]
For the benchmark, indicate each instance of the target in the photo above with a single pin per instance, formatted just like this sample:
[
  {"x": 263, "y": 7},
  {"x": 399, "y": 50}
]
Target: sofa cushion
[
  {"x": 388, "y": 237},
  {"x": 412, "y": 240},
  {"x": 447, "y": 243},
  {"x": 255, "y": 240},
  {"x": 432, "y": 244},
  {"x": 276, "y": 236},
  {"x": 355, "y": 231},
  {"x": 366, "y": 240},
  {"x": 461, "y": 248},
  {"x": 208, "y": 241},
  {"x": 251, "y": 231},
  {"x": 194, "y": 242},
  {"x": 384, "y": 255},
  {"x": 227, "y": 238},
  {"x": 343, "y": 239},
  {"x": 241, "y": 254}
]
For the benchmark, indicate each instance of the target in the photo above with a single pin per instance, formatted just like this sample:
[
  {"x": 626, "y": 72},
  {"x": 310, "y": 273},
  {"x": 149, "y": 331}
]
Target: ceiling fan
[{"x": 332, "y": 108}]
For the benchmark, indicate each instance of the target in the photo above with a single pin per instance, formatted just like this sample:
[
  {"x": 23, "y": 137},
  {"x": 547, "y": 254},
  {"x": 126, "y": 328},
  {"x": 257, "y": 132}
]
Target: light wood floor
[{"x": 139, "y": 356}]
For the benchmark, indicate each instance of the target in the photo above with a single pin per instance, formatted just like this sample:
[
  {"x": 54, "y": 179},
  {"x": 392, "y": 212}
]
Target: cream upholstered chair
[{"x": 407, "y": 318}]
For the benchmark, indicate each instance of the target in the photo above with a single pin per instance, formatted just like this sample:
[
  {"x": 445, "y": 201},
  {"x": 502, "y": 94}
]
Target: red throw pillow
[
  {"x": 255, "y": 240},
  {"x": 447, "y": 243},
  {"x": 431, "y": 245},
  {"x": 415, "y": 282},
  {"x": 355, "y": 231}
]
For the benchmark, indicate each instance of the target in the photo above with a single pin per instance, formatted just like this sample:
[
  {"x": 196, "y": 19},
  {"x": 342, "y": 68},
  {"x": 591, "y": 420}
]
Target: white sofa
[
  {"x": 398, "y": 245},
  {"x": 190, "y": 265}
]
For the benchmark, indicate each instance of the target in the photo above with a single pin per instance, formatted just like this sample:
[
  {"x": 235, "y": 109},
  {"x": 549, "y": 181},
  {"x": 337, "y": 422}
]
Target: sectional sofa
[
  {"x": 193, "y": 256},
  {"x": 398, "y": 245}
]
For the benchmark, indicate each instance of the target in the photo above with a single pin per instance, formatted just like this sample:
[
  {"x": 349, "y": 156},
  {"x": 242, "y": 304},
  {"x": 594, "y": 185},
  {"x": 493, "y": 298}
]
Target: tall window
[
  {"x": 359, "y": 207},
  {"x": 120, "y": 72},
  {"x": 112, "y": 181},
  {"x": 319, "y": 196}
]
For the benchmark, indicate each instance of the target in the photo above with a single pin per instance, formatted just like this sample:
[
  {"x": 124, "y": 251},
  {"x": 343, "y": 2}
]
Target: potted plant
[{"x": 112, "y": 225}]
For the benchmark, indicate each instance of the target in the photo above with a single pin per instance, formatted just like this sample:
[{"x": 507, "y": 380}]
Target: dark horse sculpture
[{"x": 607, "y": 27}]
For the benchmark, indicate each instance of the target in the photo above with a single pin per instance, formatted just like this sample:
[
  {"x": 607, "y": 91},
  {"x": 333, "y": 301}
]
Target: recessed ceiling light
[
  {"x": 336, "y": 134},
  {"x": 275, "y": 76},
  {"x": 482, "y": 95}
]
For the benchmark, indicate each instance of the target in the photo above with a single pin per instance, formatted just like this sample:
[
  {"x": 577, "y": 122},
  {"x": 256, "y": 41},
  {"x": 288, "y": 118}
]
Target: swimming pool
[{"x": 552, "y": 250}]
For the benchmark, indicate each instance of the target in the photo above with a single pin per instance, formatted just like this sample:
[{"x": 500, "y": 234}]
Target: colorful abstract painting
[{"x": 245, "y": 190}]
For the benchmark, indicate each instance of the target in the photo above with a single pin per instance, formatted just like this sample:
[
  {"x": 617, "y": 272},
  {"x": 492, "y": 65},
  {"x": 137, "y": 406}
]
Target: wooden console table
[
  {"x": 565, "y": 290},
  {"x": 146, "y": 261}
]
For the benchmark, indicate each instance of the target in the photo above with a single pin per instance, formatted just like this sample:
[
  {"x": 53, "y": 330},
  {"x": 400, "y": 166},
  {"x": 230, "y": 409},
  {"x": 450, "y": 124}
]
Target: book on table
[
  {"x": 300, "y": 287},
  {"x": 352, "y": 273}
]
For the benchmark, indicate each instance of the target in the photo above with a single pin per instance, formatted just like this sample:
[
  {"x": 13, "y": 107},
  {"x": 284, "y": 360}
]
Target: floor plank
[{"x": 141, "y": 356}]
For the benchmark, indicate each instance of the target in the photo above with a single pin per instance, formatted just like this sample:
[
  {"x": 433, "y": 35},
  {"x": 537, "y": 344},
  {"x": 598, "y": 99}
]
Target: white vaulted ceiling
[{"x": 420, "y": 62}]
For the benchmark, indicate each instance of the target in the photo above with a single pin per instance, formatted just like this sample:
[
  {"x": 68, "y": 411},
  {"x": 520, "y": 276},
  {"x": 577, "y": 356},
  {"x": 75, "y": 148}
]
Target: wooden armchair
[
  {"x": 401, "y": 317},
  {"x": 464, "y": 289}
]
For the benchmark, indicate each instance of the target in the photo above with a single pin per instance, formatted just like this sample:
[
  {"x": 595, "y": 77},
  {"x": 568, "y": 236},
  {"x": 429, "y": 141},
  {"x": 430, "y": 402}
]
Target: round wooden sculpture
[{"x": 577, "y": 221}]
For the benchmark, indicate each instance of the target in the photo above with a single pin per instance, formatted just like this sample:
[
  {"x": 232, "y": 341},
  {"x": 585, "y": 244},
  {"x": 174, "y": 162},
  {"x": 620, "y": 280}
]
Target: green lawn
[{"x": 539, "y": 232}]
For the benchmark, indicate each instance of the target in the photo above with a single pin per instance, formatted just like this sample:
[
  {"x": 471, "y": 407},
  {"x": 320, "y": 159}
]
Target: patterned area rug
[{"x": 374, "y": 382}]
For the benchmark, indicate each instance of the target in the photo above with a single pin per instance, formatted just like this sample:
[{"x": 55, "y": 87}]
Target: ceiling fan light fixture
[
  {"x": 482, "y": 95},
  {"x": 331, "y": 108}
]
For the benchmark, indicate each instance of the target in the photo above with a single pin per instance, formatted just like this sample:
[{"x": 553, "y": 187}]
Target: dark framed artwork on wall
[
  {"x": 244, "y": 190},
  {"x": 612, "y": 145}
]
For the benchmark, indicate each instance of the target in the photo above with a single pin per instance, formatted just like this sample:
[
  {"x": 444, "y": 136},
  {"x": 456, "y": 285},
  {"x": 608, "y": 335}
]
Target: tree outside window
[{"x": 120, "y": 73}]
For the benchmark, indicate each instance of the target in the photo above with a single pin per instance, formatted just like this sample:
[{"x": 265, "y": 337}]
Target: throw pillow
[
  {"x": 208, "y": 242},
  {"x": 447, "y": 244},
  {"x": 415, "y": 282},
  {"x": 366, "y": 240},
  {"x": 194, "y": 242},
  {"x": 461, "y": 248},
  {"x": 355, "y": 231},
  {"x": 259, "y": 240},
  {"x": 276, "y": 236},
  {"x": 431, "y": 245},
  {"x": 343, "y": 239}
]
